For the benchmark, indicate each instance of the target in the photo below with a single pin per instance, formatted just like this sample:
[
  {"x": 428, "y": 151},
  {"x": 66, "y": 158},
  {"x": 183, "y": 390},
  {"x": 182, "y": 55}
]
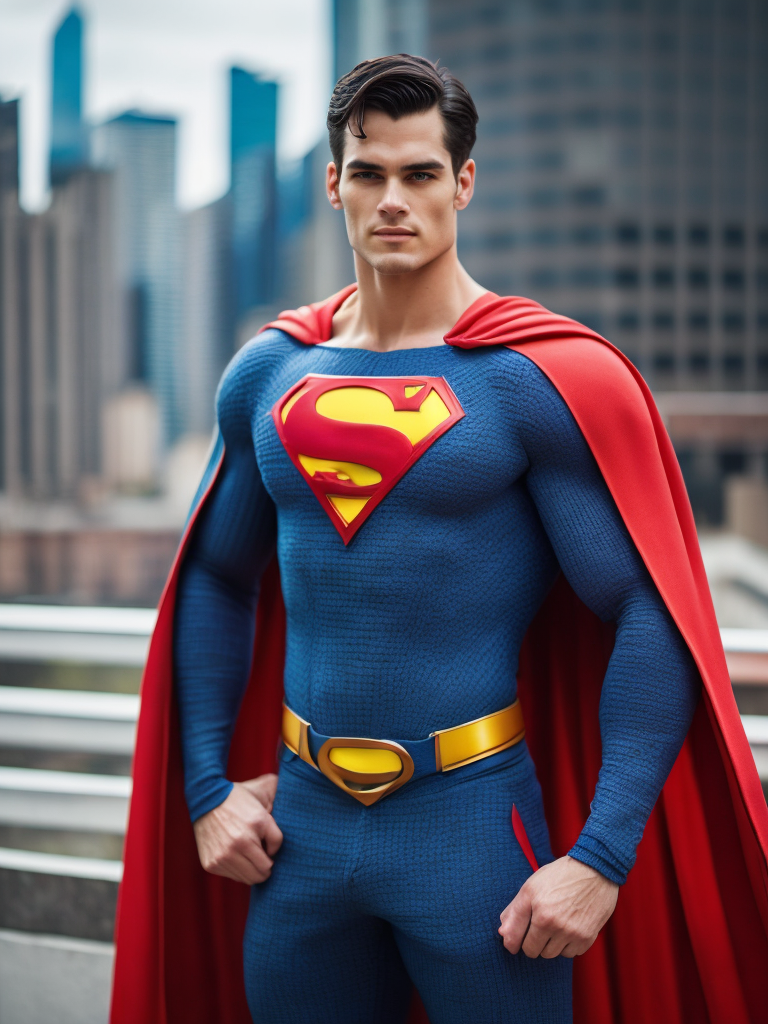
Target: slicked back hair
[{"x": 400, "y": 85}]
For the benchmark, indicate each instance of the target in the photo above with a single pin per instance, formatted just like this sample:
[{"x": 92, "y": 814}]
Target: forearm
[
  {"x": 213, "y": 643},
  {"x": 648, "y": 699}
]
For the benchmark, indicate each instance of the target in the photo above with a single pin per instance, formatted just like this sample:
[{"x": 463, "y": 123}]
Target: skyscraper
[
  {"x": 623, "y": 179},
  {"x": 69, "y": 142},
  {"x": 141, "y": 151},
  {"x": 9, "y": 146},
  {"x": 363, "y": 29},
  {"x": 253, "y": 193},
  {"x": 623, "y": 172},
  {"x": 57, "y": 329}
]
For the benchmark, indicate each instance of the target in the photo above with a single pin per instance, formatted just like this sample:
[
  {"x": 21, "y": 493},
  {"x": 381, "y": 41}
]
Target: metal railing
[{"x": 105, "y": 723}]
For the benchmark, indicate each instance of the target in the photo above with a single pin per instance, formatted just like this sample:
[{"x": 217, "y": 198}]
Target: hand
[
  {"x": 559, "y": 911},
  {"x": 239, "y": 838}
]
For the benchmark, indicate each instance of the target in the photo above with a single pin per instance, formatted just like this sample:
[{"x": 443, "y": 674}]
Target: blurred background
[{"x": 162, "y": 196}]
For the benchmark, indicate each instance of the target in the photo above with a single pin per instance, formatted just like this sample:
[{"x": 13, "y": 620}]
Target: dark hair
[{"x": 400, "y": 85}]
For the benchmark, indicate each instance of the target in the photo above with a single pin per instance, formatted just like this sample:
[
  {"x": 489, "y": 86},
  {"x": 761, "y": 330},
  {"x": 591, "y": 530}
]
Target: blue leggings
[{"x": 365, "y": 901}]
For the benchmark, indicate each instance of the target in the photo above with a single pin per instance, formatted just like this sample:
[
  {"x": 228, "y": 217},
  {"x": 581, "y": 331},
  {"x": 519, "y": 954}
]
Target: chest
[{"x": 441, "y": 442}]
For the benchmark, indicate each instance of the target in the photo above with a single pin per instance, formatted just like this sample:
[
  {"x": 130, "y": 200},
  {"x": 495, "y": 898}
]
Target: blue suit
[{"x": 414, "y": 626}]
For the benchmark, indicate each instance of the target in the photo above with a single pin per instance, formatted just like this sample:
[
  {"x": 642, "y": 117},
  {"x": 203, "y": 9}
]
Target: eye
[
  {"x": 421, "y": 176},
  {"x": 366, "y": 175}
]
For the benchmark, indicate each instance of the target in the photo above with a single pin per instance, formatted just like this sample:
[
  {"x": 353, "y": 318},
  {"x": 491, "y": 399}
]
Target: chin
[{"x": 391, "y": 264}]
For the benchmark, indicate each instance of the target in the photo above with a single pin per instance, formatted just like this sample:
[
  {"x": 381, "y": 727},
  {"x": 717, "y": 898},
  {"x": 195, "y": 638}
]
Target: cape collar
[{"x": 490, "y": 320}]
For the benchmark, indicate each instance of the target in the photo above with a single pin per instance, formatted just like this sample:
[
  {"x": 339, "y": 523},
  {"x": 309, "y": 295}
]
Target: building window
[
  {"x": 586, "y": 234},
  {"x": 733, "y": 363},
  {"x": 698, "y": 278},
  {"x": 698, "y": 234},
  {"x": 587, "y": 277},
  {"x": 664, "y": 234},
  {"x": 761, "y": 279},
  {"x": 628, "y": 233},
  {"x": 663, "y": 320},
  {"x": 588, "y": 195},
  {"x": 664, "y": 362},
  {"x": 628, "y": 320},
  {"x": 587, "y": 117},
  {"x": 733, "y": 279},
  {"x": 629, "y": 117},
  {"x": 733, "y": 320},
  {"x": 698, "y": 320},
  {"x": 544, "y": 277},
  {"x": 762, "y": 238},
  {"x": 663, "y": 277},
  {"x": 627, "y": 277},
  {"x": 545, "y": 236},
  {"x": 733, "y": 236},
  {"x": 590, "y": 318},
  {"x": 545, "y": 198},
  {"x": 732, "y": 461},
  {"x": 698, "y": 362},
  {"x": 762, "y": 320}
]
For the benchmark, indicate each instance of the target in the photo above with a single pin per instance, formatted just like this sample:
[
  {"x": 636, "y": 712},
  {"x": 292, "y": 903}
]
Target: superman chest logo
[{"x": 353, "y": 438}]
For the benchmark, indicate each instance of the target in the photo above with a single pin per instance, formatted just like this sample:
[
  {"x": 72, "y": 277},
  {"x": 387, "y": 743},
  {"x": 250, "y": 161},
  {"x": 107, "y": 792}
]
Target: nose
[{"x": 393, "y": 202}]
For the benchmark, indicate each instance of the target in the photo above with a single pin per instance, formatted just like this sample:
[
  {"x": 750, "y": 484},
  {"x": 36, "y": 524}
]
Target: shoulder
[
  {"x": 525, "y": 388},
  {"x": 543, "y": 418},
  {"x": 248, "y": 372}
]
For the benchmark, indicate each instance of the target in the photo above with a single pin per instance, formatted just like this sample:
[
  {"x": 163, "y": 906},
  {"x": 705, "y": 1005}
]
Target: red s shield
[{"x": 353, "y": 438}]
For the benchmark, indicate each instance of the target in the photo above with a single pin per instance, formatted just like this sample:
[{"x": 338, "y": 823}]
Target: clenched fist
[
  {"x": 239, "y": 838},
  {"x": 559, "y": 910}
]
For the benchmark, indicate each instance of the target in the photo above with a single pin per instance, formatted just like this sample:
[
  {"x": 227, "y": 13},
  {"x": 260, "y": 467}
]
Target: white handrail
[
  {"x": 45, "y": 618},
  {"x": 29, "y": 700},
  {"x": 61, "y": 864}
]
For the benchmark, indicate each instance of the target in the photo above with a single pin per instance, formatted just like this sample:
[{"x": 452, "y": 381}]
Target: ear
[
  {"x": 332, "y": 186},
  {"x": 465, "y": 185}
]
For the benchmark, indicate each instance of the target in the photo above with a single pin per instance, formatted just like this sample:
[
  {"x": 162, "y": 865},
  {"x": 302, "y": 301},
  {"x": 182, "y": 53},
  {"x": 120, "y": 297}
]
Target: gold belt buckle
[{"x": 365, "y": 769}]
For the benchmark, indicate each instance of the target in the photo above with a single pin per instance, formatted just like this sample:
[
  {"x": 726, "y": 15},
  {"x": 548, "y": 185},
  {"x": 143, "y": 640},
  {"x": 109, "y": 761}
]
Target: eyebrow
[{"x": 424, "y": 165}]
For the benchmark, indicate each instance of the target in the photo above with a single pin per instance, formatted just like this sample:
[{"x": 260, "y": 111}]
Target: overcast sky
[{"x": 171, "y": 56}]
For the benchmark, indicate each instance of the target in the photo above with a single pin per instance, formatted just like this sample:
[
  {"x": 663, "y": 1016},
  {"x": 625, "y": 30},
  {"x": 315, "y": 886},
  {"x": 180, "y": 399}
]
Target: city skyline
[{"x": 170, "y": 59}]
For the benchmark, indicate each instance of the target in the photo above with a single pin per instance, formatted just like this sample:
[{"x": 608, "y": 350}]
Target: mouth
[{"x": 394, "y": 234}]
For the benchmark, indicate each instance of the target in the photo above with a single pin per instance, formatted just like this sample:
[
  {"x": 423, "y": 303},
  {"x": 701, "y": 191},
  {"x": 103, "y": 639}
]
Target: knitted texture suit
[{"x": 414, "y": 626}]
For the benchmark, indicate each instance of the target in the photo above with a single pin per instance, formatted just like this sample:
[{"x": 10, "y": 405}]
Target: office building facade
[
  {"x": 623, "y": 172},
  {"x": 57, "y": 331},
  {"x": 623, "y": 179}
]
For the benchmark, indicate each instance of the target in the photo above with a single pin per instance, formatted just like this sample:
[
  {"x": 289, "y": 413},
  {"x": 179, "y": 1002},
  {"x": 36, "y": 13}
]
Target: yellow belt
[{"x": 369, "y": 769}]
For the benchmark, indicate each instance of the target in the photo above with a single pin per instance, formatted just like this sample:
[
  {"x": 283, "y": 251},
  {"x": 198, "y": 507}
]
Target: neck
[{"x": 412, "y": 310}]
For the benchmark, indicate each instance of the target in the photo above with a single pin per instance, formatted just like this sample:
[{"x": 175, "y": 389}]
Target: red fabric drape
[{"x": 688, "y": 943}]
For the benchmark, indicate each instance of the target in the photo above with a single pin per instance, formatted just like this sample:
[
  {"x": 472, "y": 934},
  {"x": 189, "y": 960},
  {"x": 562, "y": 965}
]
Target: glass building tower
[
  {"x": 141, "y": 151},
  {"x": 623, "y": 172},
  {"x": 69, "y": 141},
  {"x": 253, "y": 195}
]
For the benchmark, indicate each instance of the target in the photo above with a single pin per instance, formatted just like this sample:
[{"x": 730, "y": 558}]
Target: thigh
[
  {"x": 309, "y": 952},
  {"x": 465, "y": 866}
]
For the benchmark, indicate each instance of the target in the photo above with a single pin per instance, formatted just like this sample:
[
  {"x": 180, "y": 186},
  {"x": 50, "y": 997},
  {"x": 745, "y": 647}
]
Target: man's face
[{"x": 398, "y": 191}]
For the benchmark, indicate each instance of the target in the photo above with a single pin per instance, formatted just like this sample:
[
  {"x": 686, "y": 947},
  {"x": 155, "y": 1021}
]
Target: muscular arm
[
  {"x": 215, "y": 611},
  {"x": 648, "y": 697},
  {"x": 651, "y": 686}
]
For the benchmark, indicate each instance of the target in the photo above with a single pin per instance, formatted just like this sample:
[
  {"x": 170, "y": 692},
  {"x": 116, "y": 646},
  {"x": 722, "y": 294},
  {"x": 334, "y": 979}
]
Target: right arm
[{"x": 214, "y": 624}]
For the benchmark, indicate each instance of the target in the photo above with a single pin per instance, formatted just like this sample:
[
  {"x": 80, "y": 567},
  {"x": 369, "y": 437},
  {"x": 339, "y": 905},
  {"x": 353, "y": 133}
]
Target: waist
[{"x": 369, "y": 769}]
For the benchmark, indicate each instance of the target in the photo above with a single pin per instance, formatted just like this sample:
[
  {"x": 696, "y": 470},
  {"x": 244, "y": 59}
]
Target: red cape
[{"x": 688, "y": 943}]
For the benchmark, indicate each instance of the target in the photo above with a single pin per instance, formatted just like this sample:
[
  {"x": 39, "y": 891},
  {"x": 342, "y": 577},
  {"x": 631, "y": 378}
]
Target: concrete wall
[{"x": 47, "y": 978}]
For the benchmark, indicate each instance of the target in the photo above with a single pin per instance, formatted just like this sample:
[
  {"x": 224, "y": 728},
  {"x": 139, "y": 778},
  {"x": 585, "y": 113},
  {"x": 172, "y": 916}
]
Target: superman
[{"x": 444, "y": 552}]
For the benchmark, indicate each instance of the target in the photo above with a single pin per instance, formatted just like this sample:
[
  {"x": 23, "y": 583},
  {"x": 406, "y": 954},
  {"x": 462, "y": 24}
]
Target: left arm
[{"x": 648, "y": 697}]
